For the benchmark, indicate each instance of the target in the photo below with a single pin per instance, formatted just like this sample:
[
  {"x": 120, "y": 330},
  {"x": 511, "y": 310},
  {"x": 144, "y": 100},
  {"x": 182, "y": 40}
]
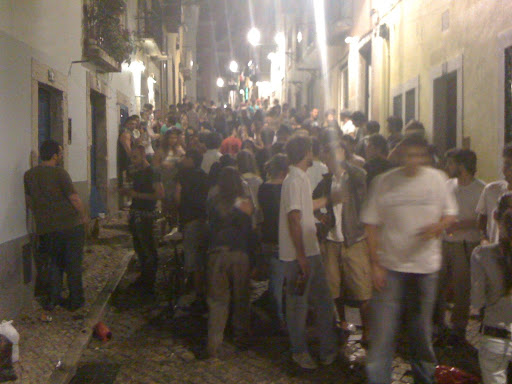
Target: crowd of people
[{"x": 330, "y": 213}]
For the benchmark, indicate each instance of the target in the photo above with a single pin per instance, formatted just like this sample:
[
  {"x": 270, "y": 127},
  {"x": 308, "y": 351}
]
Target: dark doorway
[
  {"x": 173, "y": 83},
  {"x": 49, "y": 116},
  {"x": 445, "y": 112},
  {"x": 179, "y": 91},
  {"x": 44, "y": 118},
  {"x": 366, "y": 67},
  {"x": 298, "y": 100},
  {"x": 123, "y": 114},
  {"x": 311, "y": 94},
  {"x": 98, "y": 156}
]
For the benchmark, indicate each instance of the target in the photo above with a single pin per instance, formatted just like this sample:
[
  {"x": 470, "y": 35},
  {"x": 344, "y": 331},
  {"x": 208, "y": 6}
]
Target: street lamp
[
  {"x": 254, "y": 36},
  {"x": 220, "y": 82},
  {"x": 233, "y": 66}
]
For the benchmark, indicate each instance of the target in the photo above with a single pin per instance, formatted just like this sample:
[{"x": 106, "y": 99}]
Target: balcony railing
[
  {"x": 173, "y": 15},
  {"x": 106, "y": 42},
  {"x": 150, "y": 26},
  {"x": 186, "y": 72}
]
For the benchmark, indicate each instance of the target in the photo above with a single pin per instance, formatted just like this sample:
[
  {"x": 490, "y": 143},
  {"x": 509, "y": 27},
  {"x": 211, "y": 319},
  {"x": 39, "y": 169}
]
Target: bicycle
[{"x": 174, "y": 269}]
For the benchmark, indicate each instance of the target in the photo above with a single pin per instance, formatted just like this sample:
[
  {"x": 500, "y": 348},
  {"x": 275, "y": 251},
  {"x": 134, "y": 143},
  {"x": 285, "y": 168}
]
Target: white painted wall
[{"x": 49, "y": 31}]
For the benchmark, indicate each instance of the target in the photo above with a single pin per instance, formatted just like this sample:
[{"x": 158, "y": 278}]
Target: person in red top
[{"x": 231, "y": 145}]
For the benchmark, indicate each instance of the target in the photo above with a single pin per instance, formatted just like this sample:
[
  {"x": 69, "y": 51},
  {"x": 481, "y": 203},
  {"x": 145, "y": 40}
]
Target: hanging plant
[
  {"x": 111, "y": 7},
  {"x": 105, "y": 27}
]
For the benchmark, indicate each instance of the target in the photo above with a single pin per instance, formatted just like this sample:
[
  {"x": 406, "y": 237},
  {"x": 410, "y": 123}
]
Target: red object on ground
[
  {"x": 102, "y": 332},
  {"x": 452, "y": 375}
]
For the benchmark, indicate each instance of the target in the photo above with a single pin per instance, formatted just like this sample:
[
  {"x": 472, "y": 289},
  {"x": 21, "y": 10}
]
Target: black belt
[{"x": 500, "y": 333}]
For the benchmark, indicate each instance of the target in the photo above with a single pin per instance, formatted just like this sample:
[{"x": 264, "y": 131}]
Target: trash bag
[
  {"x": 452, "y": 375},
  {"x": 6, "y": 369},
  {"x": 7, "y": 329}
]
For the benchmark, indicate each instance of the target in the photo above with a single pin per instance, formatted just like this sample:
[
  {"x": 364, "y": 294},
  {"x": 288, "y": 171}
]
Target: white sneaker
[{"x": 304, "y": 360}]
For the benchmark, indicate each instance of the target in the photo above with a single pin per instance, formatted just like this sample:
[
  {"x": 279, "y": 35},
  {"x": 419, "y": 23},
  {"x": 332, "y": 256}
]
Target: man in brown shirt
[{"x": 59, "y": 216}]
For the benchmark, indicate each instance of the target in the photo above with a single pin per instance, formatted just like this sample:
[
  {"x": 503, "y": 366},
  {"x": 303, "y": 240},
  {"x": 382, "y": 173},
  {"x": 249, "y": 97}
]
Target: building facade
[
  {"x": 445, "y": 63},
  {"x": 70, "y": 74}
]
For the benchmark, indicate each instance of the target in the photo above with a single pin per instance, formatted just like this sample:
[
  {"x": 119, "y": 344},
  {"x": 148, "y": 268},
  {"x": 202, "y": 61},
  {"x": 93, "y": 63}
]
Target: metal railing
[{"x": 103, "y": 28}]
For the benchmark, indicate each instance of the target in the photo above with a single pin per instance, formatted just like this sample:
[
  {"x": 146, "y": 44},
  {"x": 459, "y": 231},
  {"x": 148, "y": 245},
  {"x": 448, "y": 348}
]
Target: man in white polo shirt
[
  {"x": 406, "y": 213},
  {"x": 300, "y": 253}
]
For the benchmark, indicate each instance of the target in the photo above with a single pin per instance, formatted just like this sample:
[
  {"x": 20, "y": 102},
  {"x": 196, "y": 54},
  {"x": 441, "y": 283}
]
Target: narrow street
[
  {"x": 151, "y": 345},
  {"x": 160, "y": 157}
]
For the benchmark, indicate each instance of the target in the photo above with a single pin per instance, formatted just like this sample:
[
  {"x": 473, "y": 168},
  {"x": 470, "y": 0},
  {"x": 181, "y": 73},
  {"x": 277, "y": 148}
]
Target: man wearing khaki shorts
[{"x": 345, "y": 252}]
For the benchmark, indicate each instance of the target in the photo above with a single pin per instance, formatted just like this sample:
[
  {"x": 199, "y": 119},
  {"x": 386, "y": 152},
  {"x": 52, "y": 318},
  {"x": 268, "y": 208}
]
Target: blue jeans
[
  {"x": 66, "y": 251},
  {"x": 494, "y": 356},
  {"x": 276, "y": 278},
  {"x": 316, "y": 295},
  {"x": 416, "y": 293}
]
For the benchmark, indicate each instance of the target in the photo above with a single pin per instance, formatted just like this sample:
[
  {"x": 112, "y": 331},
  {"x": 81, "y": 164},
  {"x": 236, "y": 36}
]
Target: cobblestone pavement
[
  {"x": 150, "y": 345},
  {"x": 43, "y": 343}
]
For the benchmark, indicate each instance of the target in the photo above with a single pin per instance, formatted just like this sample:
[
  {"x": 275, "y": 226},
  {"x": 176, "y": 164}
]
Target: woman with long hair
[
  {"x": 228, "y": 262},
  {"x": 491, "y": 289}
]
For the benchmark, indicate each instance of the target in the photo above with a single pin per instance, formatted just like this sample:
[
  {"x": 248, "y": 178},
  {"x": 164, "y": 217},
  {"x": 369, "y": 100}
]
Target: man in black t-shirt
[
  {"x": 191, "y": 196},
  {"x": 124, "y": 147},
  {"x": 147, "y": 190},
  {"x": 59, "y": 217}
]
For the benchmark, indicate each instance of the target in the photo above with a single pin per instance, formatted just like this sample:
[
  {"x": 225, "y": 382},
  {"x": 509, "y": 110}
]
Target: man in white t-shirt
[
  {"x": 212, "y": 154},
  {"x": 459, "y": 241},
  {"x": 347, "y": 127},
  {"x": 318, "y": 169},
  {"x": 489, "y": 200},
  {"x": 406, "y": 213},
  {"x": 302, "y": 263}
]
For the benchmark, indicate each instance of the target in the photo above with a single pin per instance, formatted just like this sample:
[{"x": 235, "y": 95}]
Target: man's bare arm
[
  {"x": 482, "y": 227},
  {"x": 125, "y": 141},
  {"x": 379, "y": 273},
  {"x": 78, "y": 205}
]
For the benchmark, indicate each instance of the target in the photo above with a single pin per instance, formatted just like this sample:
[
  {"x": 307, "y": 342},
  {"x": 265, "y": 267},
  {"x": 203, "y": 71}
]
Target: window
[
  {"x": 298, "y": 50},
  {"x": 410, "y": 105},
  {"x": 311, "y": 94},
  {"x": 344, "y": 87},
  {"x": 508, "y": 95},
  {"x": 405, "y": 100},
  {"x": 343, "y": 95},
  {"x": 397, "y": 105}
]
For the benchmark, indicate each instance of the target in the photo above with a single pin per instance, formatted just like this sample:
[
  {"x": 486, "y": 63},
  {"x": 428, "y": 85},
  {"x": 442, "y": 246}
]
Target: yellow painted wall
[{"x": 418, "y": 44}]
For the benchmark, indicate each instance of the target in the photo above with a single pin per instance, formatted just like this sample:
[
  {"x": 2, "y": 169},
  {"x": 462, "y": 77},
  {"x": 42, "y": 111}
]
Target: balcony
[
  {"x": 150, "y": 28},
  {"x": 173, "y": 15},
  {"x": 106, "y": 42},
  {"x": 339, "y": 20},
  {"x": 186, "y": 72}
]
